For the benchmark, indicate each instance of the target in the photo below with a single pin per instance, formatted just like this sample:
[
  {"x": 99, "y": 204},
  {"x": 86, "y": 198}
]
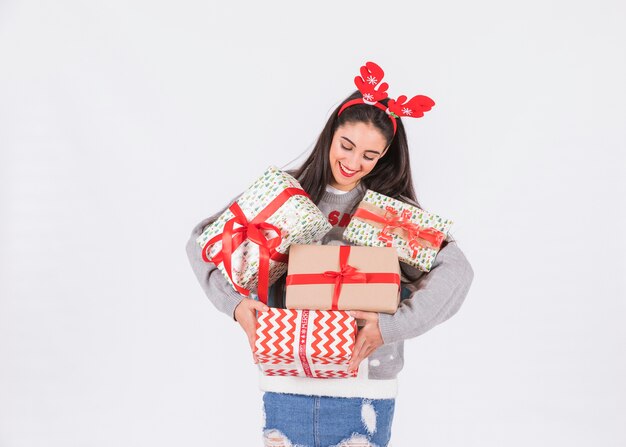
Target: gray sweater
[{"x": 428, "y": 300}]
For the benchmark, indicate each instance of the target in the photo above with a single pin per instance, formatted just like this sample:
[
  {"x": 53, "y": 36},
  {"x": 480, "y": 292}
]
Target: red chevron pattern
[
  {"x": 329, "y": 361},
  {"x": 275, "y": 359},
  {"x": 334, "y": 374},
  {"x": 281, "y": 372},
  {"x": 320, "y": 336},
  {"x": 275, "y": 336},
  {"x": 329, "y": 342},
  {"x": 334, "y": 337}
]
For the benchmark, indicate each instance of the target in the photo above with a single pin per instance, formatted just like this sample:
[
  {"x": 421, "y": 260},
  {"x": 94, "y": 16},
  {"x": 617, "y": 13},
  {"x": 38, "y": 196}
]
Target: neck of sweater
[{"x": 339, "y": 199}]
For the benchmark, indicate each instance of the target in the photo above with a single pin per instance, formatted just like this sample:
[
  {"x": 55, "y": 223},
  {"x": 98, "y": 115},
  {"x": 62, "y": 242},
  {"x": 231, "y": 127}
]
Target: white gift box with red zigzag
[{"x": 305, "y": 343}]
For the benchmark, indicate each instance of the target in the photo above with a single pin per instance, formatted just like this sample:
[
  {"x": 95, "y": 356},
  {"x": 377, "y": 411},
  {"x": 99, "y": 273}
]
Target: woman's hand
[
  {"x": 368, "y": 338},
  {"x": 245, "y": 314}
]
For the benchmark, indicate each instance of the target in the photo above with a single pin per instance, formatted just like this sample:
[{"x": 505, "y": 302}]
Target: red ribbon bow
[
  {"x": 416, "y": 234},
  {"x": 346, "y": 272},
  {"x": 254, "y": 231}
]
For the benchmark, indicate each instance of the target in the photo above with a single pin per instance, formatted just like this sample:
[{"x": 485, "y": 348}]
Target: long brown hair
[{"x": 392, "y": 174}]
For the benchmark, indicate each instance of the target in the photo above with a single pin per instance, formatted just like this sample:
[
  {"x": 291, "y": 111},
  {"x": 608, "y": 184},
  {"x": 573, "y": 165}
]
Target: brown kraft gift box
[{"x": 346, "y": 277}]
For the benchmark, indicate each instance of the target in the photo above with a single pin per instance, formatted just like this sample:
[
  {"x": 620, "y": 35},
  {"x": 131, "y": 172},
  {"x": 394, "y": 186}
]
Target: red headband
[{"x": 371, "y": 75}]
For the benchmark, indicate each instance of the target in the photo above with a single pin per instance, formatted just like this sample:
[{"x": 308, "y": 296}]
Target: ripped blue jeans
[{"x": 293, "y": 420}]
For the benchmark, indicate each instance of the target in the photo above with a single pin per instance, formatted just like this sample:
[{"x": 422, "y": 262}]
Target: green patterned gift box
[
  {"x": 382, "y": 221},
  {"x": 273, "y": 202}
]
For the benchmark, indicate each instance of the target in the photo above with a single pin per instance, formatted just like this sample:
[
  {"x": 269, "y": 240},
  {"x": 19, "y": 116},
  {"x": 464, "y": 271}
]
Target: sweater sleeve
[
  {"x": 213, "y": 283},
  {"x": 437, "y": 296}
]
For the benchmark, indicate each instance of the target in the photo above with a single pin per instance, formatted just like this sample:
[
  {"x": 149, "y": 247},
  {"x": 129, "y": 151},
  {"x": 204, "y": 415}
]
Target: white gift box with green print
[
  {"x": 381, "y": 221},
  {"x": 274, "y": 210}
]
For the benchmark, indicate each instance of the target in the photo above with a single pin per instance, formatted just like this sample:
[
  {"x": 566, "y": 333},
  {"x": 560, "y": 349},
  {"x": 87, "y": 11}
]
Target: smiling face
[{"x": 354, "y": 151}]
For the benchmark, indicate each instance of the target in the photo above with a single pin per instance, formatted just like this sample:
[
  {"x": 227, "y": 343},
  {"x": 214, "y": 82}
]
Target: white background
[{"x": 124, "y": 123}]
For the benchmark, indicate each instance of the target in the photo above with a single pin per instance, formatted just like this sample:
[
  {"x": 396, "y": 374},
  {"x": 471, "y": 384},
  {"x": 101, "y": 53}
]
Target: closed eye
[{"x": 349, "y": 149}]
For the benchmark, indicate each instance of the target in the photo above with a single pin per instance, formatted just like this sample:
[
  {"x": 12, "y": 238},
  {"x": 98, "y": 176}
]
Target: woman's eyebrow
[
  {"x": 368, "y": 150},
  {"x": 349, "y": 141}
]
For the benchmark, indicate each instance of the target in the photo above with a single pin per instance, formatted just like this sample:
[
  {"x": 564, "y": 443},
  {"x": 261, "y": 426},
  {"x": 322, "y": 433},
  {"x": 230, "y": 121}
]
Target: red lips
[{"x": 344, "y": 173}]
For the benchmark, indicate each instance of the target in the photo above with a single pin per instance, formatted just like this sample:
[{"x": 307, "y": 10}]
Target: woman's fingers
[
  {"x": 259, "y": 306},
  {"x": 252, "y": 340},
  {"x": 356, "y": 354},
  {"x": 368, "y": 338},
  {"x": 365, "y": 316},
  {"x": 246, "y": 317}
]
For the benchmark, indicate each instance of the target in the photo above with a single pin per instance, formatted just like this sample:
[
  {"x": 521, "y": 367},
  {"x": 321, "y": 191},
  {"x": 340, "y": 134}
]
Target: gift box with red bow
[
  {"x": 333, "y": 277},
  {"x": 382, "y": 221},
  {"x": 249, "y": 242},
  {"x": 305, "y": 343}
]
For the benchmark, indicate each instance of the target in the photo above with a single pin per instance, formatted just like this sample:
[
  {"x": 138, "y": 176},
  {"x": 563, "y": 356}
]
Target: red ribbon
[
  {"x": 254, "y": 231},
  {"x": 391, "y": 220},
  {"x": 304, "y": 327},
  {"x": 347, "y": 274}
]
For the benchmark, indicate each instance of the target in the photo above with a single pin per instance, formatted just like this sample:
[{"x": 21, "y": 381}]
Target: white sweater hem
[{"x": 353, "y": 387}]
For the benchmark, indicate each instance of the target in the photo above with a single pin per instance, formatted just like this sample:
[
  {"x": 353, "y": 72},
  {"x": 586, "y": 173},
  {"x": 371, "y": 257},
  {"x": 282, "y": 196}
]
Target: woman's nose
[{"x": 353, "y": 161}]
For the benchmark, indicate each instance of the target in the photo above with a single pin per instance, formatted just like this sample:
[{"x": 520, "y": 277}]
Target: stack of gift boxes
[{"x": 272, "y": 229}]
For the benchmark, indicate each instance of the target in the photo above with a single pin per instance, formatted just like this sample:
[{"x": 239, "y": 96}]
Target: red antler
[
  {"x": 415, "y": 108},
  {"x": 367, "y": 83},
  {"x": 371, "y": 75}
]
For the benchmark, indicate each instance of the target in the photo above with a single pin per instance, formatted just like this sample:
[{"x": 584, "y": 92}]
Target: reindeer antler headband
[{"x": 374, "y": 91}]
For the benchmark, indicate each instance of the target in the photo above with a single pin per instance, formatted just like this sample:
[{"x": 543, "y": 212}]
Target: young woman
[{"x": 362, "y": 146}]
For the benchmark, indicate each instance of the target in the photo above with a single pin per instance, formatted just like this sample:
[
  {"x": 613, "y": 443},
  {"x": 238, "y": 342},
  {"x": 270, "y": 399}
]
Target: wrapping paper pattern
[
  {"x": 299, "y": 220},
  {"x": 360, "y": 232},
  {"x": 305, "y": 343}
]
